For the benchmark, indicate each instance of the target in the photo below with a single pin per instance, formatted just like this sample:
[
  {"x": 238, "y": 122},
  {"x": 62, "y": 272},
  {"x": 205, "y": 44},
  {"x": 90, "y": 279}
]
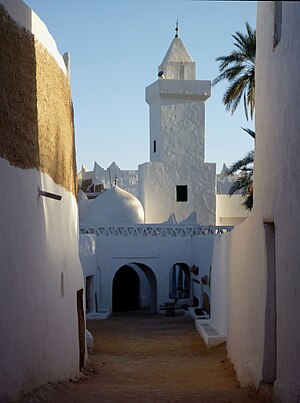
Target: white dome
[{"x": 116, "y": 206}]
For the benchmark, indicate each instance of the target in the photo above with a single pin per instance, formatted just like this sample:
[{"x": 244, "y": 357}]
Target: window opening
[
  {"x": 181, "y": 193},
  {"x": 181, "y": 71},
  {"x": 154, "y": 146}
]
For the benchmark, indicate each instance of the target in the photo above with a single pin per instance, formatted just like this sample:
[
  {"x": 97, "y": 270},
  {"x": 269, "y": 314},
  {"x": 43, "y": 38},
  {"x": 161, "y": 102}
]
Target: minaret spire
[{"x": 176, "y": 30}]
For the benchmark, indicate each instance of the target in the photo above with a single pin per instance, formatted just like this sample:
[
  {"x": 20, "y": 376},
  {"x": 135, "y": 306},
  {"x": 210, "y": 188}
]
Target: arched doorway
[{"x": 126, "y": 290}]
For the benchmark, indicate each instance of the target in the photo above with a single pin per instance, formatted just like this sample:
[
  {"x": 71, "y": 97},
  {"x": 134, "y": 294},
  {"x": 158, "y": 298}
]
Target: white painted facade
[
  {"x": 263, "y": 261},
  {"x": 177, "y": 131},
  {"x": 152, "y": 250},
  {"x": 113, "y": 237},
  {"x": 40, "y": 268},
  {"x": 230, "y": 209},
  {"x": 126, "y": 179},
  {"x": 40, "y": 274}
]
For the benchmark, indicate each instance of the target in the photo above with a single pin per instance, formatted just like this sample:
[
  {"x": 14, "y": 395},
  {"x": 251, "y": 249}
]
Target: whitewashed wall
[
  {"x": 157, "y": 192},
  {"x": 247, "y": 300},
  {"x": 158, "y": 253},
  {"x": 276, "y": 198},
  {"x": 40, "y": 273},
  {"x": 230, "y": 210},
  {"x": 219, "y": 283},
  {"x": 39, "y": 261},
  {"x": 277, "y": 174}
]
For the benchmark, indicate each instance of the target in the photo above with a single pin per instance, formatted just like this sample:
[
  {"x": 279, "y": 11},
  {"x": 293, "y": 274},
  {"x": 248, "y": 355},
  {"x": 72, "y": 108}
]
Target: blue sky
[{"x": 116, "y": 47}]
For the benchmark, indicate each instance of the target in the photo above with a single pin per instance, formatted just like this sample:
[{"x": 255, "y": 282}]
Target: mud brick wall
[{"x": 36, "y": 111}]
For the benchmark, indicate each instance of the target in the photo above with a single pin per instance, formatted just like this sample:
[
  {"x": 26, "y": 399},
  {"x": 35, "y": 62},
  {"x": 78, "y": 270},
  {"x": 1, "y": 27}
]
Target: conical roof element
[
  {"x": 177, "y": 52},
  {"x": 177, "y": 63}
]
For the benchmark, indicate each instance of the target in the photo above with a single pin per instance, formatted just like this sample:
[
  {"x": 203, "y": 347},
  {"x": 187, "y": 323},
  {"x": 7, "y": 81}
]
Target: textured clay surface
[{"x": 36, "y": 112}]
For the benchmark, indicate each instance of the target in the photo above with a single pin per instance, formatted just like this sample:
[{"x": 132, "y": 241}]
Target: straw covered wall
[{"x": 36, "y": 111}]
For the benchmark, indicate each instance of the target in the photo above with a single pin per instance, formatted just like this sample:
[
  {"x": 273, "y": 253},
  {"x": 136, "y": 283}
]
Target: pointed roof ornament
[{"x": 176, "y": 30}]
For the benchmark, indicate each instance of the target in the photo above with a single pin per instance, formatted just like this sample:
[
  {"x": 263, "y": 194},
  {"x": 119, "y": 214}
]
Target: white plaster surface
[
  {"x": 159, "y": 254},
  {"x": 126, "y": 179},
  {"x": 276, "y": 199},
  {"x": 246, "y": 300},
  {"x": 177, "y": 63},
  {"x": 111, "y": 246},
  {"x": 219, "y": 286},
  {"x": 27, "y": 18},
  {"x": 230, "y": 210},
  {"x": 40, "y": 275},
  {"x": 277, "y": 174},
  {"x": 115, "y": 205},
  {"x": 157, "y": 192},
  {"x": 177, "y": 125},
  {"x": 209, "y": 334}
]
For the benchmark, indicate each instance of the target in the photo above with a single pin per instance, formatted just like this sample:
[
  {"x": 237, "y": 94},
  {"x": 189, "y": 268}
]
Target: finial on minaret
[{"x": 176, "y": 30}]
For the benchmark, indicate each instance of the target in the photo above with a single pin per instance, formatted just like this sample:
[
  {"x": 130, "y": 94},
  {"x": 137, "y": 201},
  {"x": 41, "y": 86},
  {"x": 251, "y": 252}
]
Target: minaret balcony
[{"x": 199, "y": 90}]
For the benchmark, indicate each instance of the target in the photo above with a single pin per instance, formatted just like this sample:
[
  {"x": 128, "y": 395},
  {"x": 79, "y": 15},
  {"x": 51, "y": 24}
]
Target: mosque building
[
  {"x": 142, "y": 231},
  {"x": 177, "y": 181}
]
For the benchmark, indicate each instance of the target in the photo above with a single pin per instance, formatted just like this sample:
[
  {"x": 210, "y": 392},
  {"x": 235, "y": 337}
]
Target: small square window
[
  {"x": 154, "y": 146},
  {"x": 181, "y": 193}
]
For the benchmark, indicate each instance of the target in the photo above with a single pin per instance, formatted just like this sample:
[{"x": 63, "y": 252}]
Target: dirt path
[{"x": 152, "y": 358}]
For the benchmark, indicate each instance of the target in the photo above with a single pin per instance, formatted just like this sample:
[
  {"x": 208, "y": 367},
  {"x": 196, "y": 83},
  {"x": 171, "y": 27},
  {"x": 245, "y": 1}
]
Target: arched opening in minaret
[{"x": 134, "y": 288}]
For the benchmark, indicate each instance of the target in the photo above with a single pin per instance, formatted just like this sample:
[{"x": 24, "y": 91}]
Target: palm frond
[
  {"x": 241, "y": 164},
  {"x": 234, "y": 93},
  {"x": 248, "y": 203},
  {"x": 238, "y": 68},
  {"x": 249, "y": 131}
]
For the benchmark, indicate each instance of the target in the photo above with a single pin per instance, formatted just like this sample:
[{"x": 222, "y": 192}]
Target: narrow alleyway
[{"x": 152, "y": 358}]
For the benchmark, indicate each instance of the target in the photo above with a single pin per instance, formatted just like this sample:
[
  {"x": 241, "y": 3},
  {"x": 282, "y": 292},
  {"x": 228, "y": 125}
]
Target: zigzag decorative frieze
[{"x": 155, "y": 230}]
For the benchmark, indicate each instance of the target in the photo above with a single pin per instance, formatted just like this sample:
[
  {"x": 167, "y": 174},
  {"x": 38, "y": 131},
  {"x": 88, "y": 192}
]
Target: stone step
[{"x": 209, "y": 335}]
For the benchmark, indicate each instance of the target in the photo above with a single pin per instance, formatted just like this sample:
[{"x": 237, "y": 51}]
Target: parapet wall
[{"x": 36, "y": 115}]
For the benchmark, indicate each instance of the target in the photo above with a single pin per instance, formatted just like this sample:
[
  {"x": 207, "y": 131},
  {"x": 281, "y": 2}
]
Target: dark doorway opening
[
  {"x": 81, "y": 328},
  {"x": 270, "y": 351},
  {"x": 89, "y": 294},
  {"x": 126, "y": 290},
  {"x": 180, "y": 287}
]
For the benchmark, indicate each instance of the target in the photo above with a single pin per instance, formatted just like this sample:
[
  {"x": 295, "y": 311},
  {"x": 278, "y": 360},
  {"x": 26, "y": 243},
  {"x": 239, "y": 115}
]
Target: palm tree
[
  {"x": 239, "y": 69},
  {"x": 242, "y": 170}
]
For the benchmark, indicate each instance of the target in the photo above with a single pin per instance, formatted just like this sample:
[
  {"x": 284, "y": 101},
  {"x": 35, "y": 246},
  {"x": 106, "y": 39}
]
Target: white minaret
[
  {"x": 177, "y": 180},
  {"x": 177, "y": 108}
]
